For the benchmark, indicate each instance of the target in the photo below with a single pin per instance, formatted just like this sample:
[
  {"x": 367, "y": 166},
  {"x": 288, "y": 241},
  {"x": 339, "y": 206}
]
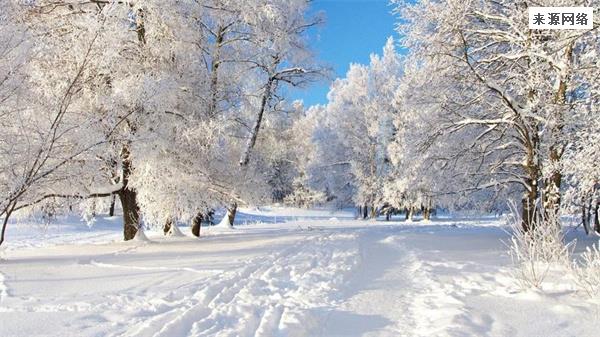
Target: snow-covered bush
[
  {"x": 536, "y": 251},
  {"x": 587, "y": 271}
]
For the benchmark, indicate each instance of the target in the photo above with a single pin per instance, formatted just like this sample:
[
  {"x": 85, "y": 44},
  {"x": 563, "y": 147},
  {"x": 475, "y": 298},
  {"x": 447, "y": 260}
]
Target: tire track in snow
[
  {"x": 269, "y": 294},
  {"x": 220, "y": 294},
  {"x": 118, "y": 266}
]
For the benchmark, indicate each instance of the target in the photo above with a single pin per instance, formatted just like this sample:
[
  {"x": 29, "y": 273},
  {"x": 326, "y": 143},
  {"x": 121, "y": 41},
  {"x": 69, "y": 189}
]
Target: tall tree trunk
[
  {"x": 167, "y": 226},
  {"x": 596, "y": 217},
  {"x": 552, "y": 196},
  {"x": 7, "y": 213},
  {"x": 111, "y": 210},
  {"x": 214, "y": 75},
  {"x": 427, "y": 213},
  {"x": 128, "y": 197},
  {"x": 365, "y": 212},
  {"x": 197, "y": 224},
  {"x": 359, "y": 211},
  {"x": 131, "y": 213},
  {"x": 373, "y": 214},
  {"x": 411, "y": 214},
  {"x": 263, "y": 106},
  {"x": 531, "y": 194},
  {"x": 406, "y": 214},
  {"x": 585, "y": 219},
  {"x": 4, "y": 224}
]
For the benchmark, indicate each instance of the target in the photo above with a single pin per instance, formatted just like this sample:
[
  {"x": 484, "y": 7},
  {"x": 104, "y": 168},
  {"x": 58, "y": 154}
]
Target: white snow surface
[{"x": 309, "y": 273}]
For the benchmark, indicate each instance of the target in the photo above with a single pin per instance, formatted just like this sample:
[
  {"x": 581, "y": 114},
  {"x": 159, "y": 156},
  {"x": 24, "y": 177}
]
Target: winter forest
[{"x": 160, "y": 174}]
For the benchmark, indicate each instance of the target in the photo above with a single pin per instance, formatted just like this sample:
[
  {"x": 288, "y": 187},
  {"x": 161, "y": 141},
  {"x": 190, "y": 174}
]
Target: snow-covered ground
[{"x": 281, "y": 272}]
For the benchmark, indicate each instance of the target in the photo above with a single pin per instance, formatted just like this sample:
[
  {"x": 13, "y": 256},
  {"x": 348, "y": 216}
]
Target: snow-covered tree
[
  {"x": 44, "y": 137},
  {"x": 138, "y": 73},
  {"x": 411, "y": 182},
  {"x": 582, "y": 152},
  {"x": 330, "y": 167},
  {"x": 183, "y": 82},
  {"x": 501, "y": 92},
  {"x": 359, "y": 112},
  {"x": 282, "y": 57},
  {"x": 287, "y": 144}
]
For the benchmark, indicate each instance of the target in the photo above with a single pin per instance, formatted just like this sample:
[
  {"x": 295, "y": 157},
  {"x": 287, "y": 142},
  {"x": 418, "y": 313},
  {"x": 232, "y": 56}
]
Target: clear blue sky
[{"x": 353, "y": 30}]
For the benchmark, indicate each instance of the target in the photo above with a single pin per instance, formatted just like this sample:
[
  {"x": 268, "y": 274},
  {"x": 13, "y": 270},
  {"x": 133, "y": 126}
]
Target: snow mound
[
  {"x": 223, "y": 226},
  {"x": 140, "y": 236},
  {"x": 175, "y": 232}
]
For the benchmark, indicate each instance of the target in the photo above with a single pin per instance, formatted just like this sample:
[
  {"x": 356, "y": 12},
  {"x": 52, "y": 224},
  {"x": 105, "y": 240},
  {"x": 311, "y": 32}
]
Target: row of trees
[
  {"x": 167, "y": 106},
  {"x": 484, "y": 110},
  {"x": 177, "y": 108}
]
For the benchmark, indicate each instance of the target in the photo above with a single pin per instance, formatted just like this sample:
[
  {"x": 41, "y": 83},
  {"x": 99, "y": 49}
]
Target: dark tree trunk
[
  {"x": 596, "y": 217},
  {"x": 231, "y": 211},
  {"x": 359, "y": 212},
  {"x": 585, "y": 220},
  {"x": 4, "y": 224},
  {"x": 256, "y": 127},
  {"x": 530, "y": 198},
  {"x": 528, "y": 204},
  {"x": 387, "y": 216},
  {"x": 197, "y": 224},
  {"x": 427, "y": 213},
  {"x": 406, "y": 214},
  {"x": 552, "y": 196},
  {"x": 373, "y": 214},
  {"x": 365, "y": 212},
  {"x": 131, "y": 213},
  {"x": 111, "y": 210},
  {"x": 128, "y": 197},
  {"x": 7, "y": 213},
  {"x": 168, "y": 225}
]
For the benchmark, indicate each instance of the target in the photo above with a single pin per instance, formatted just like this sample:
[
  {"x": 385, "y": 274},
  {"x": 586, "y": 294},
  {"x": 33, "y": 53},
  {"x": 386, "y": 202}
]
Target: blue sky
[{"x": 353, "y": 30}]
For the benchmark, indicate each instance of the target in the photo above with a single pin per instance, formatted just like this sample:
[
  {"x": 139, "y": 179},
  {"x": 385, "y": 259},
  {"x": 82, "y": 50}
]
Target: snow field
[
  {"x": 270, "y": 295},
  {"x": 315, "y": 276},
  {"x": 250, "y": 282},
  {"x": 465, "y": 286}
]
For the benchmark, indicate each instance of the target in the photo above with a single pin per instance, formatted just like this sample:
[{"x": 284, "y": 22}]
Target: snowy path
[
  {"x": 449, "y": 280},
  {"x": 320, "y": 277},
  {"x": 269, "y": 294},
  {"x": 378, "y": 297}
]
